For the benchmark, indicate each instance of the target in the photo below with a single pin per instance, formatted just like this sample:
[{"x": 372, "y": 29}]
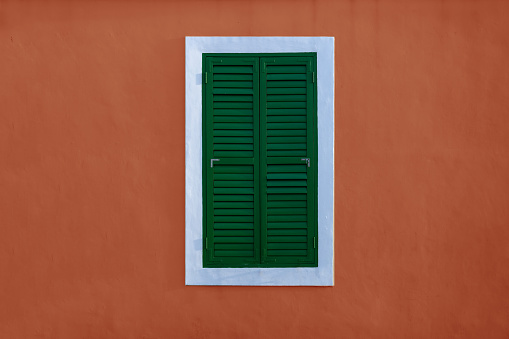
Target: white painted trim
[{"x": 323, "y": 275}]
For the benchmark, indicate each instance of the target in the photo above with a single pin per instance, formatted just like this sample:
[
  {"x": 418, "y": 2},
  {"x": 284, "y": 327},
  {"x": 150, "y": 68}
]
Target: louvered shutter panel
[
  {"x": 288, "y": 131},
  {"x": 231, "y": 132}
]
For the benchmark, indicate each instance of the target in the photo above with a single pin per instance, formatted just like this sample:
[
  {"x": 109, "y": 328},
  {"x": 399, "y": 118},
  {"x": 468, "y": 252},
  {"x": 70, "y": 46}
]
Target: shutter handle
[
  {"x": 212, "y": 162},
  {"x": 306, "y": 160}
]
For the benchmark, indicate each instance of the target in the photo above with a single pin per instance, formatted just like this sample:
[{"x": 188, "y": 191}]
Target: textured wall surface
[{"x": 92, "y": 171}]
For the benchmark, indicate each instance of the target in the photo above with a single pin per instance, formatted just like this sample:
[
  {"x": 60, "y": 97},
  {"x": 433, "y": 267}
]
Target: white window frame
[{"x": 196, "y": 274}]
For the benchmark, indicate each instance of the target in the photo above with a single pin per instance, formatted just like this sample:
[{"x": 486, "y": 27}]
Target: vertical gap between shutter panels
[{"x": 260, "y": 181}]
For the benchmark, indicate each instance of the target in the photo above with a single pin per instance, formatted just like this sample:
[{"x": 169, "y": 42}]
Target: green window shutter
[
  {"x": 259, "y": 160},
  {"x": 288, "y": 161},
  {"x": 231, "y": 139}
]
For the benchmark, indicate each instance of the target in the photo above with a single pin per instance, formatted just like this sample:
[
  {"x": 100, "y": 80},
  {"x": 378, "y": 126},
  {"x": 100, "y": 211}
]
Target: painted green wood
[
  {"x": 289, "y": 218},
  {"x": 289, "y": 153},
  {"x": 233, "y": 98},
  {"x": 286, "y": 111},
  {"x": 234, "y": 233},
  {"x": 275, "y": 204},
  {"x": 259, "y": 198},
  {"x": 294, "y": 69},
  {"x": 225, "y": 197},
  {"x": 234, "y": 169},
  {"x": 292, "y": 98},
  {"x": 233, "y": 190},
  {"x": 220, "y": 69},
  {"x": 286, "y": 197},
  {"x": 233, "y": 140},
  {"x": 287, "y": 84},
  {"x": 286, "y": 77},
  {"x": 232, "y": 118},
  {"x": 234, "y": 218},
  {"x": 233, "y": 183},
  {"x": 233, "y": 84},
  {"x": 292, "y": 225},
  {"x": 286, "y": 246},
  {"x": 283, "y": 232},
  {"x": 286, "y": 118},
  {"x": 285, "y": 253},
  {"x": 279, "y": 176},
  {"x": 235, "y": 105},
  {"x": 232, "y": 111},
  {"x": 233, "y": 147},
  {"x": 233, "y": 77},
  {"x": 285, "y": 104},
  {"x": 286, "y": 90},
  {"x": 286, "y": 146},
  {"x": 233, "y": 225},
  {"x": 235, "y": 133}
]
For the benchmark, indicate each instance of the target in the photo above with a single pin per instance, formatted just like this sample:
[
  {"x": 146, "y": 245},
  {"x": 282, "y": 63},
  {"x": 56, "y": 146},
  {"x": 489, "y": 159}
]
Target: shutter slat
[
  {"x": 287, "y": 168},
  {"x": 233, "y": 183},
  {"x": 233, "y": 225},
  {"x": 233, "y": 233},
  {"x": 286, "y": 153},
  {"x": 286, "y": 111},
  {"x": 233, "y": 169},
  {"x": 224, "y": 197},
  {"x": 287, "y": 252},
  {"x": 286, "y": 69},
  {"x": 287, "y": 176},
  {"x": 283, "y": 126},
  {"x": 286, "y": 218},
  {"x": 291, "y": 98},
  {"x": 294, "y": 239},
  {"x": 286, "y": 90},
  {"x": 234, "y": 218},
  {"x": 286, "y": 197},
  {"x": 233, "y": 211},
  {"x": 233, "y": 191},
  {"x": 233, "y": 77},
  {"x": 235, "y": 105},
  {"x": 283, "y": 232},
  {"x": 236, "y": 254},
  {"x": 272, "y": 84},
  {"x": 286, "y": 76},
  {"x": 233, "y": 118},
  {"x": 287, "y": 133},
  {"x": 221, "y": 125},
  {"x": 286, "y": 246},
  {"x": 236, "y": 176},
  {"x": 285, "y": 140},
  {"x": 234, "y": 240},
  {"x": 233, "y": 147},
  {"x": 218, "y": 69},
  {"x": 283, "y": 104},
  {"x": 231, "y": 111},
  {"x": 234, "y": 204},
  {"x": 292, "y": 225},
  {"x": 285, "y": 183},
  {"x": 286, "y": 118},
  {"x": 273, "y": 204},
  {"x": 286, "y": 146},
  {"x": 233, "y": 84},
  {"x": 233, "y": 133},
  {"x": 233, "y": 98},
  {"x": 244, "y": 247},
  {"x": 232, "y": 91},
  {"x": 233, "y": 140},
  {"x": 235, "y": 154},
  {"x": 286, "y": 211}
]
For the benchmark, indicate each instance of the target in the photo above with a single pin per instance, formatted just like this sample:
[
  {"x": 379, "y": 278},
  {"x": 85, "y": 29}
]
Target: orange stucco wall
[{"x": 92, "y": 171}]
